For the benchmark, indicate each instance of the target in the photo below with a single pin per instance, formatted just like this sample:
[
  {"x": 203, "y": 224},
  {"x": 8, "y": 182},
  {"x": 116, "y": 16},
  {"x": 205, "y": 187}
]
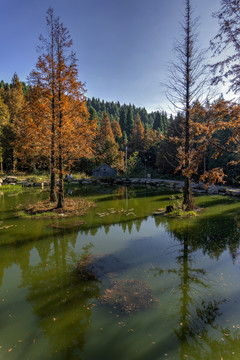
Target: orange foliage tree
[
  {"x": 116, "y": 129},
  {"x": 55, "y": 120},
  {"x": 107, "y": 148},
  {"x": 137, "y": 134}
]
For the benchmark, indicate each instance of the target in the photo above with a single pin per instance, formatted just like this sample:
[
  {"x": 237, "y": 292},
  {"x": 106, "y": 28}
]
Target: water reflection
[
  {"x": 199, "y": 329},
  {"x": 63, "y": 305},
  {"x": 60, "y": 301}
]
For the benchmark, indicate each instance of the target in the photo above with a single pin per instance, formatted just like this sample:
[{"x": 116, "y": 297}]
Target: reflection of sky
[{"x": 122, "y": 46}]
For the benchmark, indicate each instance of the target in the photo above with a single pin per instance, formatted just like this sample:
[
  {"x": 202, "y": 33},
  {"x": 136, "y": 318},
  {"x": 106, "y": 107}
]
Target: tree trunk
[
  {"x": 60, "y": 204},
  {"x": 187, "y": 201},
  {"x": 1, "y": 164},
  {"x": 53, "y": 196},
  {"x": 61, "y": 186}
]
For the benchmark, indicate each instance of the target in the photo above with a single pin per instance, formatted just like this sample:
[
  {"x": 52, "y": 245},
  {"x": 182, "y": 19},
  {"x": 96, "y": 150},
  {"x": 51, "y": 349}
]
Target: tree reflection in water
[
  {"x": 62, "y": 303},
  {"x": 200, "y": 333}
]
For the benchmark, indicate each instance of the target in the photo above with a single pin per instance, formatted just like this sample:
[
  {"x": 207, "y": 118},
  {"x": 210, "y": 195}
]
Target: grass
[{"x": 11, "y": 188}]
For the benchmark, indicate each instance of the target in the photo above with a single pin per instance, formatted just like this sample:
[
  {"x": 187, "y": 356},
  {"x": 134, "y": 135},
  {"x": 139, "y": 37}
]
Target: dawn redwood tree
[
  {"x": 56, "y": 120},
  {"x": 107, "y": 148},
  {"x": 137, "y": 134},
  {"x": 227, "y": 42},
  {"x": 116, "y": 129},
  {"x": 185, "y": 85}
]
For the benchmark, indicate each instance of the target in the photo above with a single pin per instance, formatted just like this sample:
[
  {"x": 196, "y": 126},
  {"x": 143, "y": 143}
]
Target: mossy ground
[{"x": 46, "y": 209}]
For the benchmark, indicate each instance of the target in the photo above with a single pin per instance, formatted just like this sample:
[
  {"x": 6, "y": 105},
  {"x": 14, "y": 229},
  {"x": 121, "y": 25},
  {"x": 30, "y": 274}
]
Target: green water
[{"x": 192, "y": 267}]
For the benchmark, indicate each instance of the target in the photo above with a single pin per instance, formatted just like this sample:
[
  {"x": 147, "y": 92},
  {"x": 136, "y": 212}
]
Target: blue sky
[{"x": 122, "y": 46}]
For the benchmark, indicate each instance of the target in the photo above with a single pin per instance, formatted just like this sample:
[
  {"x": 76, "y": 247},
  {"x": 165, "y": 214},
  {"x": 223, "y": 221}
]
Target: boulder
[
  {"x": 212, "y": 190},
  {"x": 11, "y": 179},
  {"x": 233, "y": 192},
  {"x": 23, "y": 183}
]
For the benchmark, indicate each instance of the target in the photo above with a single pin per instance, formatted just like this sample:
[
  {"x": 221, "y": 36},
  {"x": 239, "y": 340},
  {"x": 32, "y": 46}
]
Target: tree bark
[
  {"x": 60, "y": 168},
  {"x": 187, "y": 200}
]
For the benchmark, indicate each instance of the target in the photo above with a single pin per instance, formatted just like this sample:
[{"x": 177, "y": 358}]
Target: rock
[
  {"x": 212, "y": 190},
  {"x": 128, "y": 296},
  {"x": 200, "y": 186},
  {"x": 23, "y": 183},
  {"x": 233, "y": 192},
  {"x": 221, "y": 189},
  {"x": 11, "y": 179},
  {"x": 197, "y": 191},
  {"x": 96, "y": 267}
]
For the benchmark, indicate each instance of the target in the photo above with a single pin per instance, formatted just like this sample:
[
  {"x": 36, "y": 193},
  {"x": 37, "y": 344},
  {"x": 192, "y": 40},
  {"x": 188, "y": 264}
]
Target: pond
[{"x": 175, "y": 294}]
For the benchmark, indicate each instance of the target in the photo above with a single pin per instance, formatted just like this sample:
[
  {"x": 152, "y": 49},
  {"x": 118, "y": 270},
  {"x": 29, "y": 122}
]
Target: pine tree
[
  {"x": 14, "y": 99},
  {"x": 4, "y": 120},
  {"x": 129, "y": 121},
  {"x": 123, "y": 120},
  {"x": 157, "y": 125}
]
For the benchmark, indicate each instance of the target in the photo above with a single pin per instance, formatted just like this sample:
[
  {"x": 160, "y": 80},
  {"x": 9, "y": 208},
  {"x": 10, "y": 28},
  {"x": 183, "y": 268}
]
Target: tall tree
[
  {"x": 137, "y": 134},
  {"x": 116, "y": 129},
  {"x": 58, "y": 117},
  {"x": 107, "y": 148},
  {"x": 123, "y": 120},
  {"x": 14, "y": 99},
  {"x": 4, "y": 120},
  {"x": 129, "y": 121},
  {"x": 157, "y": 125},
  {"x": 227, "y": 42},
  {"x": 186, "y": 83}
]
